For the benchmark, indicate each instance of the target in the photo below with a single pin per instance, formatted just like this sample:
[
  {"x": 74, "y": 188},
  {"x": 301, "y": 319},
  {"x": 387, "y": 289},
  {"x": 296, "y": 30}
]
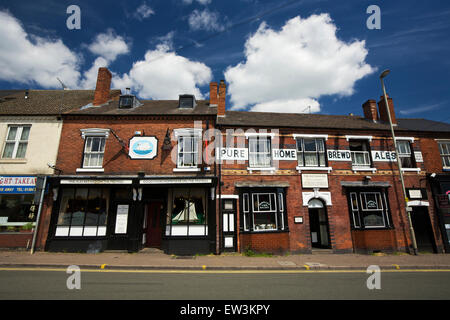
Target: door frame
[
  {"x": 429, "y": 226},
  {"x": 228, "y": 233},
  {"x": 326, "y": 222},
  {"x": 147, "y": 205}
]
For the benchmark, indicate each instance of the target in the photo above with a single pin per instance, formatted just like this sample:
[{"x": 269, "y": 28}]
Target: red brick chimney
[
  {"x": 101, "y": 95},
  {"x": 383, "y": 110},
  {"x": 213, "y": 94},
  {"x": 222, "y": 94},
  {"x": 370, "y": 110}
]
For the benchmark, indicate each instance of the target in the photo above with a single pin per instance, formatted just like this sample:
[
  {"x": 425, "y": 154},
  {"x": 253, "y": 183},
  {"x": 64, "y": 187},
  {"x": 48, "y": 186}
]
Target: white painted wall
[{"x": 42, "y": 147}]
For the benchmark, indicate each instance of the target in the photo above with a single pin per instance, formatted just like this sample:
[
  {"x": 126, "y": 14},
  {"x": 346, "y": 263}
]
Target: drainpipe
[{"x": 39, "y": 215}]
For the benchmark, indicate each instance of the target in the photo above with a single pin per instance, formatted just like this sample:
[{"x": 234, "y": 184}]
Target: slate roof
[
  {"x": 148, "y": 107},
  {"x": 44, "y": 102}
]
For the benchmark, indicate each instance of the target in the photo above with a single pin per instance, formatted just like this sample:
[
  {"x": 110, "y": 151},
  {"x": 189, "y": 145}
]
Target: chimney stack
[
  {"x": 213, "y": 94},
  {"x": 222, "y": 94},
  {"x": 383, "y": 111},
  {"x": 370, "y": 110},
  {"x": 101, "y": 95}
]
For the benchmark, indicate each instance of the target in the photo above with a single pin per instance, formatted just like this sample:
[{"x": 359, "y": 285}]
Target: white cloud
[
  {"x": 108, "y": 45},
  {"x": 205, "y": 20},
  {"x": 288, "y": 70},
  {"x": 30, "y": 59},
  {"x": 143, "y": 12},
  {"x": 203, "y": 2},
  {"x": 164, "y": 75}
]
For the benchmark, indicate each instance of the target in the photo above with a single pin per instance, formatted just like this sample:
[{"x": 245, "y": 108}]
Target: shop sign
[
  {"x": 143, "y": 148},
  {"x": 17, "y": 184},
  {"x": 415, "y": 194},
  {"x": 264, "y": 205},
  {"x": 384, "y": 156},
  {"x": 93, "y": 181},
  {"x": 233, "y": 153},
  {"x": 284, "y": 154},
  {"x": 313, "y": 180},
  {"x": 121, "y": 219},
  {"x": 418, "y": 156},
  {"x": 339, "y": 155}
]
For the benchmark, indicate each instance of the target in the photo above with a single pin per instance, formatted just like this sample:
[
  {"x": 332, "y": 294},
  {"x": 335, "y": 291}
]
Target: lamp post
[{"x": 413, "y": 236}]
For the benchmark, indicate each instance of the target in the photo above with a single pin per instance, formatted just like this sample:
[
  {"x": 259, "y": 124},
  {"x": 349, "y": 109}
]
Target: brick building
[{"x": 132, "y": 174}]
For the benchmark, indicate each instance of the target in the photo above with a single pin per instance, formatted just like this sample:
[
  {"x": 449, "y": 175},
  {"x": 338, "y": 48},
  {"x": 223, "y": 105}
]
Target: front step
[{"x": 322, "y": 251}]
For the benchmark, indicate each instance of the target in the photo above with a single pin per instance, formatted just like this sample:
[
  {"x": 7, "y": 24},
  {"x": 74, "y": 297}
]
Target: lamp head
[{"x": 385, "y": 73}]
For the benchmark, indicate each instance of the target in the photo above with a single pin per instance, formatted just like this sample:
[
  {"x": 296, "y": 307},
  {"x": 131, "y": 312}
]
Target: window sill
[
  {"x": 186, "y": 170},
  {"x": 300, "y": 169},
  {"x": 263, "y": 231},
  {"x": 411, "y": 169},
  {"x": 90, "y": 170},
  {"x": 446, "y": 169},
  {"x": 272, "y": 169},
  {"x": 13, "y": 160},
  {"x": 354, "y": 169}
]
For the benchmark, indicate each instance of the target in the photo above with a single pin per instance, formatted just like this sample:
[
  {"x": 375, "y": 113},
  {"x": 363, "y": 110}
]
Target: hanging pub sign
[
  {"x": 339, "y": 155},
  {"x": 284, "y": 154},
  {"x": 17, "y": 184},
  {"x": 143, "y": 148},
  {"x": 384, "y": 156}
]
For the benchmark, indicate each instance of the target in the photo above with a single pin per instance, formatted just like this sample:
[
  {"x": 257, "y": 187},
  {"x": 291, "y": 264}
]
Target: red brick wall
[
  {"x": 265, "y": 242},
  {"x": 16, "y": 240},
  {"x": 116, "y": 161}
]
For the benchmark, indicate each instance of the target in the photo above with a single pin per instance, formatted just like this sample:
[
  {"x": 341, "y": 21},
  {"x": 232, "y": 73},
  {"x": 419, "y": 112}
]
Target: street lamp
[{"x": 413, "y": 236}]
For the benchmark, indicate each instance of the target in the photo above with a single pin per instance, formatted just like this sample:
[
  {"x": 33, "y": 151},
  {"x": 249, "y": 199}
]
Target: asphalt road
[{"x": 151, "y": 285}]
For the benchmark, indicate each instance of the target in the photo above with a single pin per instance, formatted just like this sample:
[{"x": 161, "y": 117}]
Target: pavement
[{"x": 153, "y": 259}]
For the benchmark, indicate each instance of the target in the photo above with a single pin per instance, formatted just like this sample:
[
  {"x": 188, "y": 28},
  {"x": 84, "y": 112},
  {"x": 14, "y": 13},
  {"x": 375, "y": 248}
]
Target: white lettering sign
[
  {"x": 384, "y": 156},
  {"x": 78, "y": 181},
  {"x": 17, "y": 181},
  {"x": 415, "y": 194},
  {"x": 284, "y": 154},
  {"x": 312, "y": 180},
  {"x": 233, "y": 153},
  {"x": 339, "y": 155}
]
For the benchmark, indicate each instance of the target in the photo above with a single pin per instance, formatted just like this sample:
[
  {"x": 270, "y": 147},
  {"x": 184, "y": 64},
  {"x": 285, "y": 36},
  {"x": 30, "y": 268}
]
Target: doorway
[
  {"x": 153, "y": 224},
  {"x": 318, "y": 224},
  {"x": 422, "y": 229}
]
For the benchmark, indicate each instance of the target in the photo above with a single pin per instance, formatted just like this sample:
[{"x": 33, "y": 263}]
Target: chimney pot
[
  {"x": 102, "y": 88},
  {"x": 222, "y": 95},
  {"x": 213, "y": 94},
  {"x": 383, "y": 110},
  {"x": 370, "y": 110}
]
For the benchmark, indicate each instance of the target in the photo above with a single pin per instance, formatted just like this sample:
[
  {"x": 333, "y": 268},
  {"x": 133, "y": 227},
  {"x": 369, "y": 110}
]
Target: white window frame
[
  {"x": 196, "y": 135},
  {"x": 16, "y": 140},
  {"x": 271, "y": 211},
  {"x": 447, "y": 142},
  {"x": 300, "y": 154},
  {"x": 362, "y": 167},
  {"x": 268, "y": 153},
  {"x": 93, "y": 133}
]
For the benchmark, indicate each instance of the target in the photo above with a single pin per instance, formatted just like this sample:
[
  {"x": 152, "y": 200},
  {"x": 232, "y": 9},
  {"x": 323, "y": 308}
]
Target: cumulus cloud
[
  {"x": 89, "y": 80},
  {"x": 205, "y": 20},
  {"x": 31, "y": 59},
  {"x": 108, "y": 45},
  {"x": 164, "y": 75},
  {"x": 290, "y": 69}
]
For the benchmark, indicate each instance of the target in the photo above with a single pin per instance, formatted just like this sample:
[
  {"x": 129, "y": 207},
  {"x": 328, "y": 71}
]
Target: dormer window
[
  {"x": 128, "y": 101},
  {"x": 186, "y": 101}
]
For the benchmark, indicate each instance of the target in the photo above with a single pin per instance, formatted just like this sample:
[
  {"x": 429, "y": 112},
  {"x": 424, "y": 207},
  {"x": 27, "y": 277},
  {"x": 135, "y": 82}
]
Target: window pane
[
  {"x": 310, "y": 159},
  {"x": 25, "y": 133},
  {"x": 66, "y": 207},
  {"x": 21, "y": 150},
  {"x": 322, "y": 159},
  {"x": 95, "y": 144},
  {"x": 310, "y": 145},
  {"x": 320, "y": 145},
  {"x": 12, "y": 133},
  {"x": 299, "y": 145},
  {"x": 16, "y": 207},
  {"x": 373, "y": 219},
  {"x": 8, "y": 152},
  {"x": 79, "y": 207},
  {"x": 93, "y": 207},
  {"x": 264, "y": 221}
]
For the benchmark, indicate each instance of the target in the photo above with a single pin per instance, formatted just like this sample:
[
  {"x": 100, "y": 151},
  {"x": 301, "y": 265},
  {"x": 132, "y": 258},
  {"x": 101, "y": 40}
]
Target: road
[{"x": 236, "y": 285}]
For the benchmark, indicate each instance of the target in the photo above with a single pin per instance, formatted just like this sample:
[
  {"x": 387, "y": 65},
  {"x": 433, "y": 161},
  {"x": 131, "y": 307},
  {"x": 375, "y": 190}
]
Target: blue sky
[{"x": 281, "y": 56}]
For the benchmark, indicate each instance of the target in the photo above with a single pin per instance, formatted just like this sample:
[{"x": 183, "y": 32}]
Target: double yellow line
[{"x": 281, "y": 271}]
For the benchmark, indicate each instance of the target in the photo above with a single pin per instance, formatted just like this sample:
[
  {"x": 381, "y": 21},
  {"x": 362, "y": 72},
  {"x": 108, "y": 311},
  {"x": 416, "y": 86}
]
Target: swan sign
[{"x": 143, "y": 148}]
